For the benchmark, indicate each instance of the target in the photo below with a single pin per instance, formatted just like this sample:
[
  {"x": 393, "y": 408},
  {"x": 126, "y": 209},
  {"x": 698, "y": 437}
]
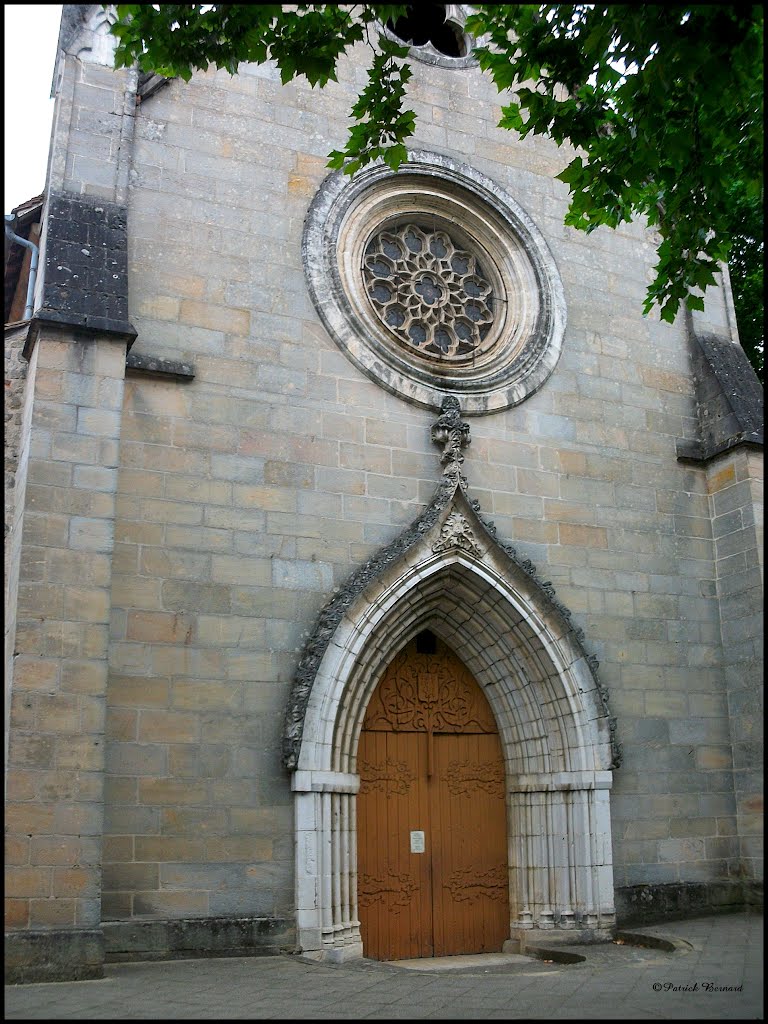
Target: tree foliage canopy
[
  {"x": 746, "y": 262},
  {"x": 662, "y": 103}
]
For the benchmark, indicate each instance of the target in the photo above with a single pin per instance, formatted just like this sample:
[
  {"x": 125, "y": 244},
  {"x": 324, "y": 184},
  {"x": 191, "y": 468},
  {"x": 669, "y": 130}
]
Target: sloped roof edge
[{"x": 729, "y": 398}]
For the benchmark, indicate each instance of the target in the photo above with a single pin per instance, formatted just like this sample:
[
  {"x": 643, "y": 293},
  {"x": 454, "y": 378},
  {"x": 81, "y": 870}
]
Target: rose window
[
  {"x": 430, "y": 293},
  {"x": 433, "y": 281}
]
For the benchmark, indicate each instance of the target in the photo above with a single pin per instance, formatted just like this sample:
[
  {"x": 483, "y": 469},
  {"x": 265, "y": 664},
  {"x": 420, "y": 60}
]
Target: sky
[{"x": 31, "y": 35}]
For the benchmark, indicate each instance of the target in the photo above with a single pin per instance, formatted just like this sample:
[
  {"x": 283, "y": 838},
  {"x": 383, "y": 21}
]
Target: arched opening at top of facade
[{"x": 428, "y": 23}]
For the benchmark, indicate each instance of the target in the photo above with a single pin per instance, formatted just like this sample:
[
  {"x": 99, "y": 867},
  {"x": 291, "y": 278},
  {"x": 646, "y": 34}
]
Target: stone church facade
[{"x": 277, "y": 436}]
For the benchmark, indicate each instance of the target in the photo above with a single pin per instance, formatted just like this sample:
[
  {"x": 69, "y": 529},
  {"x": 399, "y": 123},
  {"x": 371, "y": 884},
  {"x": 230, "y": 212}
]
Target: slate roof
[{"x": 729, "y": 398}]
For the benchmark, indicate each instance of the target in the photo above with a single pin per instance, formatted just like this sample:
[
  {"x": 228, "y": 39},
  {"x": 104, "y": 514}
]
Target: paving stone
[{"x": 710, "y": 969}]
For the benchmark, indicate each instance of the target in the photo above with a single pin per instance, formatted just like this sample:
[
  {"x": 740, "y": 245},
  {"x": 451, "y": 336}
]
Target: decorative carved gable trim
[
  {"x": 452, "y": 490},
  {"x": 456, "y": 533}
]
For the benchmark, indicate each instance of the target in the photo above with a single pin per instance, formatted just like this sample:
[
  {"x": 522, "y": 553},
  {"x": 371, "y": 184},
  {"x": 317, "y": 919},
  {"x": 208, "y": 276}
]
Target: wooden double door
[{"x": 432, "y": 831}]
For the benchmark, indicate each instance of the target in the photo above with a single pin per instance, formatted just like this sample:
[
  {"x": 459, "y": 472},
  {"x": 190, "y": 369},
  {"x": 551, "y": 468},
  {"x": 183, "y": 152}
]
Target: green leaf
[
  {"x": 512, "y": 118},
  {"x": 665, "y": 115},
  {"x": 573, "y": 173}
]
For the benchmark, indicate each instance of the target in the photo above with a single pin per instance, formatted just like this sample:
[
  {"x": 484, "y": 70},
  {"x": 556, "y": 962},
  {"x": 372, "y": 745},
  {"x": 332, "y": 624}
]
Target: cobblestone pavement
[{"x": 715, "y": 973}]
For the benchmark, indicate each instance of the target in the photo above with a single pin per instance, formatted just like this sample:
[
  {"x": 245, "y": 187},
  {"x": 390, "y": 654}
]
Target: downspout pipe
[{"x": 28, "y": 308}]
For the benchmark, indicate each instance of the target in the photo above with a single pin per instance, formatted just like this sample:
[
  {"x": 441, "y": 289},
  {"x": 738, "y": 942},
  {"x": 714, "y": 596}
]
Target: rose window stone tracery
[
  {"x": 432, "y": 294},
  {"x": 433, "y": 281}
]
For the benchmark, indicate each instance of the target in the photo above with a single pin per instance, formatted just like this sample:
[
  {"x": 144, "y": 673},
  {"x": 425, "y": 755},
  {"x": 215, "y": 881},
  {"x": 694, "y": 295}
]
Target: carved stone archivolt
[{"x": 450, "y": 496}]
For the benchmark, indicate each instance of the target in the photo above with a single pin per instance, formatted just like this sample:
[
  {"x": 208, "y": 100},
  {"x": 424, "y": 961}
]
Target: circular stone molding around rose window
[{"x": 434, "y": 281}]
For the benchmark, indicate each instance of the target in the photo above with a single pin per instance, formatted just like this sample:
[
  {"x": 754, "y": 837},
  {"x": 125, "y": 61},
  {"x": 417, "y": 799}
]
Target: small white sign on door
[{"x": 417, "y": 842}]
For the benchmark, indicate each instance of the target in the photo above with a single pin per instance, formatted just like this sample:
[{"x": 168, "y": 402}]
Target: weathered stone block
[
  {"x": 168, "y": 727},
  {"x": 195, "y": 597},
  {"x": 54, "y": 955}
]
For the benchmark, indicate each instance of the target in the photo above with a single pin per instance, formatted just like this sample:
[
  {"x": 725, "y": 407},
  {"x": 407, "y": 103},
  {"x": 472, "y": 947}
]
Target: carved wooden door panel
[
  {"x": 470, "y": 874},
  {"x": 432, "y": 835},
  {"x": 394, "y": 885}
]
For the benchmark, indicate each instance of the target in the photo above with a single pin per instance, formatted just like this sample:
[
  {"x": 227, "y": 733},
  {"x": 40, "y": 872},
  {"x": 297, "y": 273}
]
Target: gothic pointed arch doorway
[
  {"x": 448, "y": 573},
  {"x": 433, "y": 877}
]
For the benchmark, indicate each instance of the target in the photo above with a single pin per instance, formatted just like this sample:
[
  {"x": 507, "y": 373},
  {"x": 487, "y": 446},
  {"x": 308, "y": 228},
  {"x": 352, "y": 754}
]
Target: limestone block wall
[
  {"x": 243, "y": 498},
  {"x": 247, "y": 496},
  {"x": 15, "y": 385},
  {"x": 93, "y": 127},
  {"x": 17, "y": 416},
  {"x": 62, "y": 543},
  {"x": 735, "y": 482},
  {"x": 15, "y": 377},
  {"x": 54, "y": 779}
]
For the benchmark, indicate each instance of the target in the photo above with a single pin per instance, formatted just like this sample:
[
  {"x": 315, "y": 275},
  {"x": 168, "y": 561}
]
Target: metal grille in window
[{"x": 432, "y": 294}]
